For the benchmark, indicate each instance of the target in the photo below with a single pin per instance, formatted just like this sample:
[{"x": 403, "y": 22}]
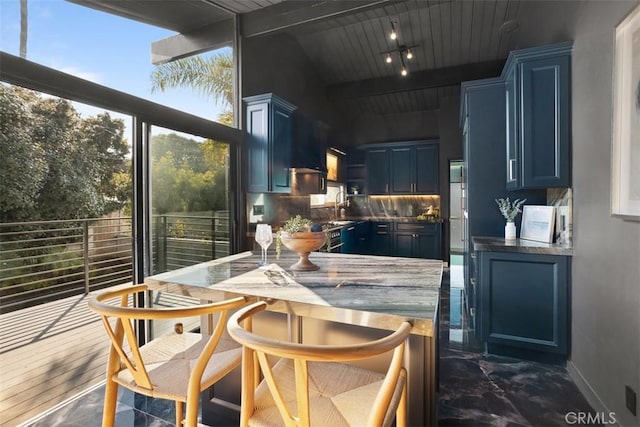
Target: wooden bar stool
[
  {"x": 308, "y": 386},
  {"x": 177, "y": 366}
]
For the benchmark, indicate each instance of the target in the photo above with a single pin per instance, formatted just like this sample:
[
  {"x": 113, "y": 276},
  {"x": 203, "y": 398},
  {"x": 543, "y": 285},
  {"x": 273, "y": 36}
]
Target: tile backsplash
[{"x": 562, "y": 199}]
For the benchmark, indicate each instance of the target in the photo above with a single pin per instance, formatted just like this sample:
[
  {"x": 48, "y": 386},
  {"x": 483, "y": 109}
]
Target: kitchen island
[{"x": 325, "y": 305}]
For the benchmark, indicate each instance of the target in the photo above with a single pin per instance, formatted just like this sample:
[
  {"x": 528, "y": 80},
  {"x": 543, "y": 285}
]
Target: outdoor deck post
[{"x": 85, "y": 250}]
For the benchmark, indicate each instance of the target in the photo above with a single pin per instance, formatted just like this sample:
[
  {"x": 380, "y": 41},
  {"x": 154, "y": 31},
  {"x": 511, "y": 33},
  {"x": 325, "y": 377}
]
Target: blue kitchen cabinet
[
  {"x": 380, "y": 238},
  {"x": 427, "y": 170},
  {"x": 483, "y": 123},
  {"x": 401, "y": 168},
  {"x": 377, "y": 166},
  {"x": 348, "y": 239},
  {"x": 524, "y": 304},
  {"x": 269, "y": 131},
  {"x": 417, "y": 240},
  {"x": 414, "y": 169},
  {"x": 401, "y": 177},
  {"x": 538, "y": 117}
]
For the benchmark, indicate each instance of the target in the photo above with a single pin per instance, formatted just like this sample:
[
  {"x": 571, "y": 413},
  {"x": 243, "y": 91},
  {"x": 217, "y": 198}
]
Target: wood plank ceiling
[{"x": 347, "y": 40}]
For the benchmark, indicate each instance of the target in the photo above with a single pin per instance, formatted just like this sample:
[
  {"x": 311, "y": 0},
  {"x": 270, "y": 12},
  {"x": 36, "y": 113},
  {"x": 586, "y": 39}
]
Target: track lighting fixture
[{"x": 403, "y": 51}]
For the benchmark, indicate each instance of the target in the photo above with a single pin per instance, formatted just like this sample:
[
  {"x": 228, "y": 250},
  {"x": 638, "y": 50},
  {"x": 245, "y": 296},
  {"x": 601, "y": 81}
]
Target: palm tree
[
  {"x": 23, "y": 29},
  {"x": 210, "y": 76}
]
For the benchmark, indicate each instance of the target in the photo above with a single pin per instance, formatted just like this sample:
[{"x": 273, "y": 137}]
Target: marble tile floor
[{"x": 475, "y": 389}]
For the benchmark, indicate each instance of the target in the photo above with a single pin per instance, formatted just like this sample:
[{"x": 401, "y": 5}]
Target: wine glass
[{"x": 264, "y": 237}]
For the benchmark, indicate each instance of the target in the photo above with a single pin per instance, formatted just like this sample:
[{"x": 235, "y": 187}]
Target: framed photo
[
  {"x": 625, "y": 153},
  {"x": 537, "y": 223}
]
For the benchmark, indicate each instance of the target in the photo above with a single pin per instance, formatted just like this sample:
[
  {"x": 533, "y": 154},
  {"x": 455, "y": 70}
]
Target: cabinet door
[
  {"x": 380, "y": 242},
  {"x": 428, "y": 246},
  {"x": 544, "y": 123},
  {"x": 362, "y": 237},
  {"x": 348, "y": 238},
  {"x": 377, "y": 171},
  {"x": 427, "y": 171},
  {"x": 258, "y": 148},
  {"x": 404, "y": 243},
  {"x": 524, "y": 300},
  {"x": 512, "y": 133},
  {"x": 402, "y": 173},
  {"x": 281, "y": 150}
]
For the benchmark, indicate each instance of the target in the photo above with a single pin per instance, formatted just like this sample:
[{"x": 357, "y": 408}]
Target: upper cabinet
[
  {"x": 537, "y": 89},
  {"x": 309, "y": 143},
  {"x": 403, "y": 168},
  {"x": 269, "y": 127},
  {"x": 377, "y": 166}
]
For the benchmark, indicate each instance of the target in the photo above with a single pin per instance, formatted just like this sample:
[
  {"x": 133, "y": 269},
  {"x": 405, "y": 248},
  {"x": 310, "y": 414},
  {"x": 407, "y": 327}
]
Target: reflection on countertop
[{"x": 498, "y": 244}]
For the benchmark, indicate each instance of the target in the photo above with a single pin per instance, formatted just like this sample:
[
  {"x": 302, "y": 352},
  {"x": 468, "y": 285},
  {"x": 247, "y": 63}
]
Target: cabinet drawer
[
  {"x": 382, "y": 226},
  {"x": 417, "y": 227}
]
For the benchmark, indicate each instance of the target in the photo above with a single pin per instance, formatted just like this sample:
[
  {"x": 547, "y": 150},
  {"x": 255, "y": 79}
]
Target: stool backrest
[
  {"x": 119, "y": 323},
  {"x": 256, "y": 347}
]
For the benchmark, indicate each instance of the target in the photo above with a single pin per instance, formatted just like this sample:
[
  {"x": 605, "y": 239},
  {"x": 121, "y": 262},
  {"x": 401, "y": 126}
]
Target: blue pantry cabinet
[
  {"x": 484, "y": 140},
  {"x": 538, "y": 117},
  {"x": 269, "y": 127}
]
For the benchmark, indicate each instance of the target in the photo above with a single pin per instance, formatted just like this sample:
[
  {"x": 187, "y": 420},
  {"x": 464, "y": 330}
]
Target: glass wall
[
  {"x": 189, "y": 199},
  {"x": 65, "y": 209}
]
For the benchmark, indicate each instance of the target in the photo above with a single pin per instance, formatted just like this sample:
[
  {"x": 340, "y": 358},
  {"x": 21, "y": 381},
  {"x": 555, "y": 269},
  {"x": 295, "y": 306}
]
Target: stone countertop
[
  {"x": 367, "y": 290},
  {"x": 498, "y": 244},
  {"x": 396, "y": 219}
]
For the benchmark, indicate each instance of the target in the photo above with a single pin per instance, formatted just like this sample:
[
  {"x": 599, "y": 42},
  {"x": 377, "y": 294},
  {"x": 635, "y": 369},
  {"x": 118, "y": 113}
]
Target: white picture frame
[
  {"x": 625, "y": 152},
  {"x": 538, "y": 223}
]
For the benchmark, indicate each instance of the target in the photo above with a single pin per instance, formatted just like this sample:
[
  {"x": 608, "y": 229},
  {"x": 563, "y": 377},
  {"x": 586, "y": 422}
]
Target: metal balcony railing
[{"x": 47, "y": 260}]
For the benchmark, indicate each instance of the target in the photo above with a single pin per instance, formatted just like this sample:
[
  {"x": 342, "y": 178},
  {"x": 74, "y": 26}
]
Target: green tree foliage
[
  {"x": 56, "y": 165},
  {"x": 188, "y": 176}
]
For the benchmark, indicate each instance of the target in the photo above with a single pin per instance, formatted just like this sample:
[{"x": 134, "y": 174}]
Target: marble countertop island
[
  {"x": 359, "y": 289},
  {"x": 352, "y": 290}
]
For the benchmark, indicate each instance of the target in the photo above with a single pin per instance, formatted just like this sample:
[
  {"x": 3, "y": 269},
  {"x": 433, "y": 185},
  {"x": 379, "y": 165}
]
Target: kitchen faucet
[{"x": 335, "y": 206}]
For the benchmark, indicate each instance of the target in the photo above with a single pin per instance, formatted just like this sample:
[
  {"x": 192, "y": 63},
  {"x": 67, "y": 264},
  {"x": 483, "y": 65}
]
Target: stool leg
[
  {"x": 179, "y": 413},
  {"x": 110, "y": 402}
]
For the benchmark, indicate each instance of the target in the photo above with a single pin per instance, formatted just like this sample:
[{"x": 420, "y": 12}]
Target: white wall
[{"x": 605, "y": 343}]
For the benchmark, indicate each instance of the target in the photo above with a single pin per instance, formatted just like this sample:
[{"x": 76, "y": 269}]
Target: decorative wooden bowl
[{"x": 304, "y": 244}]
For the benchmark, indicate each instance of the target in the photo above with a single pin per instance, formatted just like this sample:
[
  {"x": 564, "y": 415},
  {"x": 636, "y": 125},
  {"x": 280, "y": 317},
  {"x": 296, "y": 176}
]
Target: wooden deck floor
[{"x": 48, "y": 353}]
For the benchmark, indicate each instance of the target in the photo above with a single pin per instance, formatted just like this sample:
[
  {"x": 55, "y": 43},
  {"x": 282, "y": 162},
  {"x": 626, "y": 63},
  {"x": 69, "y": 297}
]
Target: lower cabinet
[
  {"x": 417, "y": 240},
  {"x": 388, "y": 238},
  {"x": 348, "y": 239},
  {"x": 524, "y": 304},
  {"x": 380, "y": 238}
]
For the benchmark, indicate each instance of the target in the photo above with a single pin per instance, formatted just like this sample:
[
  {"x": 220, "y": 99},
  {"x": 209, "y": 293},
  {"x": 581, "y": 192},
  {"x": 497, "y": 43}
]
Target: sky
[{"x": 96, "y": 46}]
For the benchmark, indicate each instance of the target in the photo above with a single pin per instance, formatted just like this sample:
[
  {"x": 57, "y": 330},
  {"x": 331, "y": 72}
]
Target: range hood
[{"x": 305, "y": 181}]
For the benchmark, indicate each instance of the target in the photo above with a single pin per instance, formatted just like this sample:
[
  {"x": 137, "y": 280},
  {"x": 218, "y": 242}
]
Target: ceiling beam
[
  {"x": 34, "y": 76},
  {"x": 426, "y": 79},
  {"x": 289, "y": 14},
  {"x": 278, "y": 17},
  {"x": 211, "y": 37}
]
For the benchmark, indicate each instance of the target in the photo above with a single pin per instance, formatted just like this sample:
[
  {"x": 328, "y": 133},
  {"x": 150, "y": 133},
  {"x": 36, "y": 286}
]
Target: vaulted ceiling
[{"x": 451, "y": 40}]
